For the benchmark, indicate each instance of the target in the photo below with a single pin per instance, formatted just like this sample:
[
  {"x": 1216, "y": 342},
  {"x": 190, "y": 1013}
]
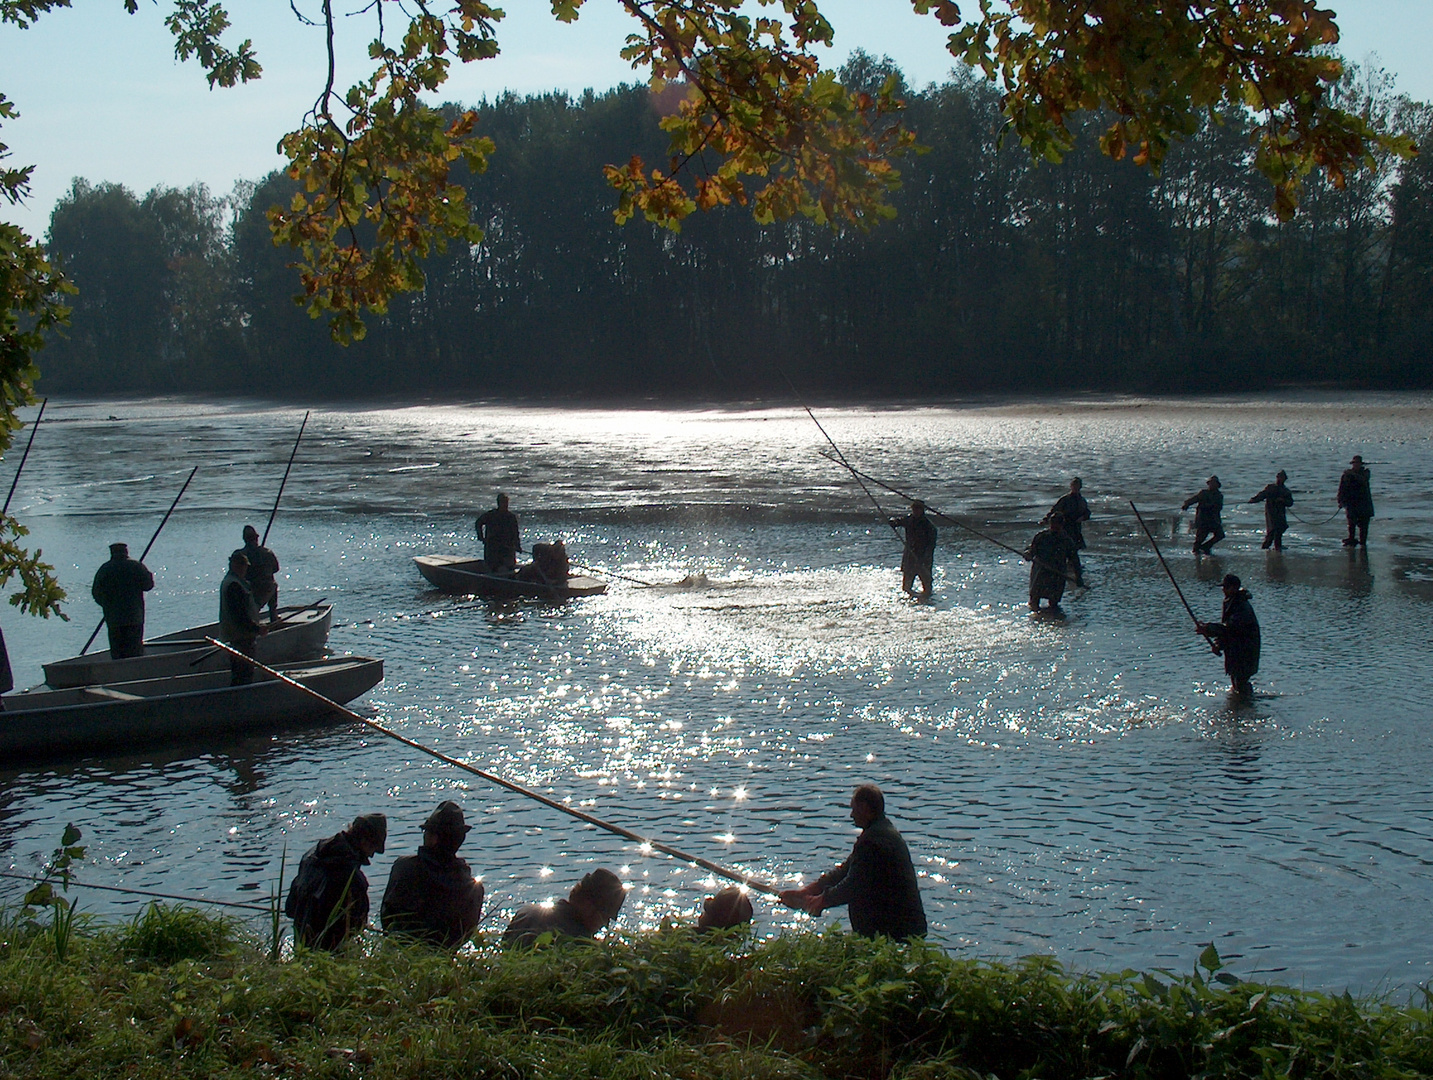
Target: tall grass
[{"x": 166, "y": 997}]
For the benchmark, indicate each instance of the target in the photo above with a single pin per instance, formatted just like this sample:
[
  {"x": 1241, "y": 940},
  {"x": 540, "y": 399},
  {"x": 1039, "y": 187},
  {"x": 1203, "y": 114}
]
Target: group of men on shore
[
  {"x": 249, "y": 585},
  {"x": 432, "y": 897}
]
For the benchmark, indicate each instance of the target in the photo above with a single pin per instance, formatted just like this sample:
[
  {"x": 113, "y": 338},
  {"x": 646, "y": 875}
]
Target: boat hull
[
  {"x": 44, "y": 723},
  {"x": 464, "y": 576},
  {"x": 185, "y": 652}
]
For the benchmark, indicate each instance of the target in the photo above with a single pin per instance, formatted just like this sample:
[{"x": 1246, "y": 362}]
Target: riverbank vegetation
[
  {"x": 177, "y": 993},
  {"x": 998, "y": 273}
]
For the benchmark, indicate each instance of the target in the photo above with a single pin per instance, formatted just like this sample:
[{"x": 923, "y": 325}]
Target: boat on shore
[
  {"x": 462, "y": 575},
  {"x": 194, "y": 708},
  {"x": 301, "y": 633}
]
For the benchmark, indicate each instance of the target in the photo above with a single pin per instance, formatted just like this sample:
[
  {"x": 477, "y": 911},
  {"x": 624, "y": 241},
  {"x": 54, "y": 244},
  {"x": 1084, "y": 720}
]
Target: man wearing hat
[
  {"x": 1076, "y": 511},
  {"x": 1236, "y": 635},
  {"x": 1208, "y": 508},
  {"x": 432, "y": 896},
  {"x": 1356, "y": 497},
  {"x": 119, "y": 589},
  {"x": 1277, "y": 499},
  {"x": 263, "y": 565},
  {"x": 328, "y": 900},
  {"x": 918, "y": 556},
  {"x": 239, "y": 623}
]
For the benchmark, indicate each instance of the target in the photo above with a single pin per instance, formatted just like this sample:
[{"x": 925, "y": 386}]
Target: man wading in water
[{"x": 1236, "y": 635}]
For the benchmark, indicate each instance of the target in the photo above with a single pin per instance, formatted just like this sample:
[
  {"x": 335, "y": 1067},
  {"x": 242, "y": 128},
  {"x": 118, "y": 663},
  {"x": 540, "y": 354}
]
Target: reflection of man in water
[
  {"x": 1077, "y": 512},
  {"x": 918, "y": 557},
  {"x": 1277, "y": 498},
  {"x": 877, "y": 882},
  {"x": 498, "y": 531},
  {"x": 1236, "y": 635},
  {"x": 1355, "y": 495}
]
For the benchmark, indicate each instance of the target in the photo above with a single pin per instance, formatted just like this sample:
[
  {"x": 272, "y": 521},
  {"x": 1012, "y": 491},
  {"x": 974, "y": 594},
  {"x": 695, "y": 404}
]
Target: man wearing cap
[
  {"x": 592, "y": 904},
  {"x": 328, "y": 900},
  {"x": 239, "y": 623},
  {"x": 918, "y": 555},
  {"x": 432, "y": 896},
  {"x": 1208, "y": 507},
  {"x": 263, "y": 565},
  {"x": 1277, "y": 498},
  {"x": 1076, "y": 510},
  {"x": 498, "y": 530},
  {"x": 1355, "y": 495},
  {"x": 877, "y": 882},
  {"x": 1236, "y": 635},
  {"x": 119, "y": 589}
]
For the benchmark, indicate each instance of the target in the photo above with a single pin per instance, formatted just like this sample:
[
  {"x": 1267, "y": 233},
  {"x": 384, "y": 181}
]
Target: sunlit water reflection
[{"x": 1081, "y": 787}]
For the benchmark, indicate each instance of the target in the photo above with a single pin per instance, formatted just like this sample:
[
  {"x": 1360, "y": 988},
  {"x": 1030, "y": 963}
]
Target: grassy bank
[{"x": 178, "y": 994}]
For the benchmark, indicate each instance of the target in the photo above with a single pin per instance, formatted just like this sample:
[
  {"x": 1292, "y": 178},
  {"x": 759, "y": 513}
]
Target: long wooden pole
[
  {"x": 147, "y": 546},
  {"x": 272, "y": 513},
  {"x": 25, "y": 456},
  {"x": 1214, "y": 647},
  {"x": 526, "y": 792}
]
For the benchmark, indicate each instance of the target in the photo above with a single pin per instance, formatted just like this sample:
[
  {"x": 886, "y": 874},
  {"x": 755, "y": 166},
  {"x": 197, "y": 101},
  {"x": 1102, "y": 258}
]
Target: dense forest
[{"x": 997, "y": 274}]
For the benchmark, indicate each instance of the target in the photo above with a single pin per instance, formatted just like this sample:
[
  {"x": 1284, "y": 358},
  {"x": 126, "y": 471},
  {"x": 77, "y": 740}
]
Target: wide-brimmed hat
[
  {"x": 447, "y": 820},
  {"x": 372, "y": 827}
]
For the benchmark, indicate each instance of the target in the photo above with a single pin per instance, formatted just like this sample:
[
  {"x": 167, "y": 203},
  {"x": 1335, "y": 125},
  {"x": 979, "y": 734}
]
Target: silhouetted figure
[
  {"x": 549, "y": 565},
  {"x": 239, "y": 623},
  {"x": 1355, "y": 495},
  {"x": 1076, "y": 511},
  {"x": 498, "y": 531},
  {"x": 1208, "y": 508},
  {"x": 877, "y": 882},
  {"x": 328, "y": 900},
  {"x": 1051, "y": 552},
  {"x": 1236, "y": 635},
  {"x": 119, "y": 589},
  {"x": 726, "y": 910},
  {"x": 592, "y": 904},
  {"x": 263, "y": 565},
  {"x": 432, "y": 896},
  {"x": 918, "y": 555},
  {"x": 1277, "y": 499}
]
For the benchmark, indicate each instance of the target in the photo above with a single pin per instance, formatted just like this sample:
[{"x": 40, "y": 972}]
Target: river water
[{"x": 1084, "y": 788}]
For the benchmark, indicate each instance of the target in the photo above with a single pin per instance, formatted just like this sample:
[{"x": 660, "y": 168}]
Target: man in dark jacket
[
  {"x": 877, "y": 883},
  {"x": 498, "y": 531},
  {"x": 119, "y": 589},
  {"x": 1236, "y": 635},
  {"x": 1208, "y": 508},
  {"x": 328, "y": 900},
  {"x": 1277, "y": 498},
  {"x": 239, "y": 623},
  {"x": 592, "y": 904},
  {"x": 1355, "y": 495},
  {"x": 918, "y": 555},
  {"x": 1051, "y": 553},
  {"x": 432, "y": 896},
  {"x": 263, "y": 565},
  {"x": 1076, "y": 511}
]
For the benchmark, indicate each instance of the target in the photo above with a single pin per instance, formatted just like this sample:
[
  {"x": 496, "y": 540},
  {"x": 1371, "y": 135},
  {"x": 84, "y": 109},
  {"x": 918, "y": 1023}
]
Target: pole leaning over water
[
  {"x": 292, "y": 454},
  {"x": 25, "y": 456},
  {"x": 1172, "y": 580},
  {"x": 147, "y": 546},
  {"x": 493, "y": 778}
]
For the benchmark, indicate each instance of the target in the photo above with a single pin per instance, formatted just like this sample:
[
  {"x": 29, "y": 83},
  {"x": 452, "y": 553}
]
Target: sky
[{"x": 101, "y": 96}]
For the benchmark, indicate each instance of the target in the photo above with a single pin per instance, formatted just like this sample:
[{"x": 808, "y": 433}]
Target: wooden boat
[
  {"x": 466, "y": 576},
  {"x": 302, "y": 636},
  {"x": 43, "y": 723}
]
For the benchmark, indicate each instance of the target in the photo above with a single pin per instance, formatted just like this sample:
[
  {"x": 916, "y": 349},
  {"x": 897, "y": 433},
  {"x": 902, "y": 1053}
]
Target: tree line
[{"x": 997, "y": 274}]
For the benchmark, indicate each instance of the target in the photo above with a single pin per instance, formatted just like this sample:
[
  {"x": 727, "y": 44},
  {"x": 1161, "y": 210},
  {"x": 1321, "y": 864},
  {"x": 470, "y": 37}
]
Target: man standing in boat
[
  {"x": 263, "y": 565},
  {"x": 918, "y": 557},
  {"x": 498, "y": 531},
  {"x": 119, "y": 589},
  {"x": 239, "y": 623}
]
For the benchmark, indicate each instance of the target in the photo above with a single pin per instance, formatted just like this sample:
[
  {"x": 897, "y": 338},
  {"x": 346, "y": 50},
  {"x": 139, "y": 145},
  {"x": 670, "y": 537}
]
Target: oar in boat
[
  {"x": 282, "y": 483},
  {"x": 25, "y": 456},
  {"x": 147, "y": 546},
  {"x": 291, "y": 615},
  {"x": 627, "y": 834}
]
